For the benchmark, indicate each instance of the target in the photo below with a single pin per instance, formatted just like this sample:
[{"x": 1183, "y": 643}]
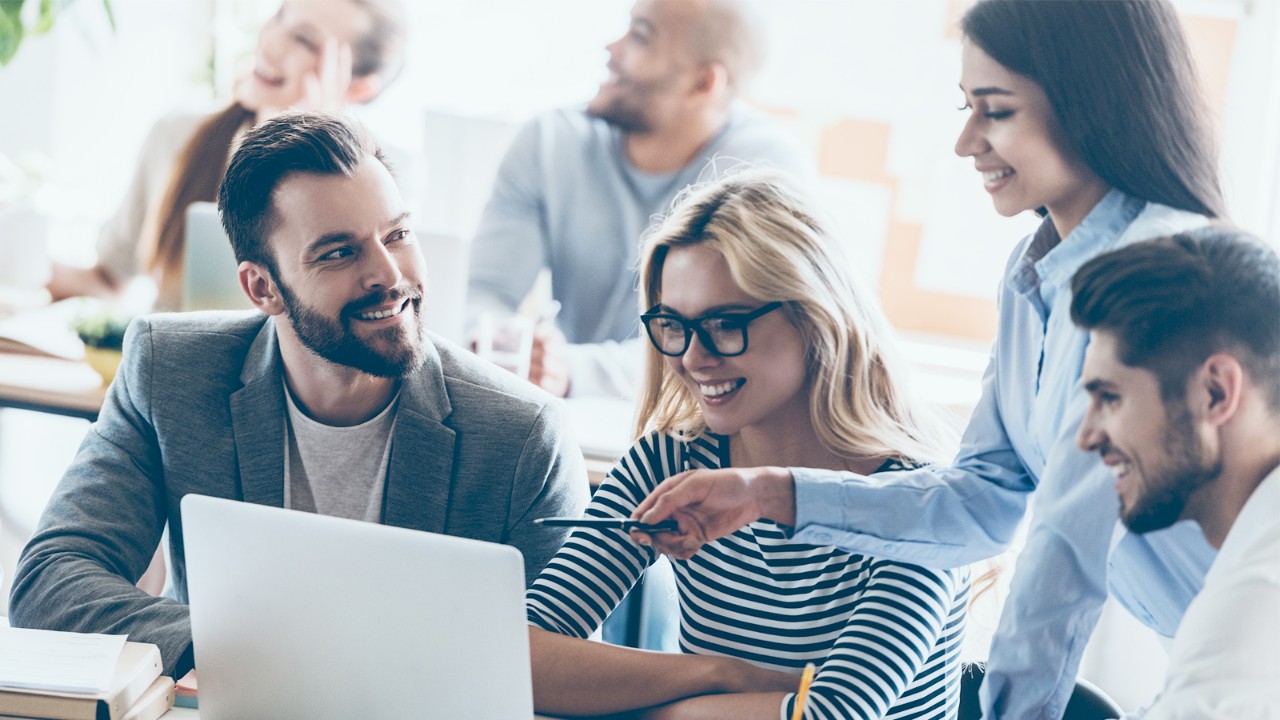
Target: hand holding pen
[
  {"x": 625, "y": 525},
  {"x": 802, "y": 695}
]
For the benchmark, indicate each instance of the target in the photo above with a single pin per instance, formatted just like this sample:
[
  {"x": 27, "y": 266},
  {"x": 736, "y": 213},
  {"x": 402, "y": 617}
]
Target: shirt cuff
[{"x": 819, "y": 499}]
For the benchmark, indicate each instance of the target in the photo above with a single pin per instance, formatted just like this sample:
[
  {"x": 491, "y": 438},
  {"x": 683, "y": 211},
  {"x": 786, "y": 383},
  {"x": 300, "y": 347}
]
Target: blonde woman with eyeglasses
[{"x": 763, "y": 351}]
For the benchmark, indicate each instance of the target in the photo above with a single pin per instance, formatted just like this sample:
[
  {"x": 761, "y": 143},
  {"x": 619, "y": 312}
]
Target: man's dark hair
[
  {"x": 291, "y": 143},
  {"x": 1172, "y": 302}
]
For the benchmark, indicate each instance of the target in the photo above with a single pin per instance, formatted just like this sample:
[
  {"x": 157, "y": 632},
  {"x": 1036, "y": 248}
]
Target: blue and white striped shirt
[{"x": 886, "y": 635}]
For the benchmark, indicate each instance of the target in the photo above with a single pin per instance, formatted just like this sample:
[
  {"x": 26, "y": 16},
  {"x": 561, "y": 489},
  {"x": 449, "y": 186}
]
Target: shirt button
[{"x": 823, "y": 538}]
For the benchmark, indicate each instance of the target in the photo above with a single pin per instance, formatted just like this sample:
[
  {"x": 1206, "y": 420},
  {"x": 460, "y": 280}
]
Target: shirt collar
[
  {"x": 1255, "y": 518},
  {"x": 1052, "y": 261}
]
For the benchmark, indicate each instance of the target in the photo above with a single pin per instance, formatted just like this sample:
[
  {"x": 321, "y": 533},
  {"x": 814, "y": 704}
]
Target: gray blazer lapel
[
  {"x": 257, "y": 422},
  {"x": 419, "y": 481}
]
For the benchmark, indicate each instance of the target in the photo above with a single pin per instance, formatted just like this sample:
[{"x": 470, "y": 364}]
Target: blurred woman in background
[{"x": 311, "y": 54}]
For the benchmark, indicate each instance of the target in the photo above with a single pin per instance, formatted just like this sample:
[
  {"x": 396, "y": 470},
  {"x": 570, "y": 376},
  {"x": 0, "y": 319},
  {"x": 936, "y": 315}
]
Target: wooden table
[
  {"x": 50, "y": 385},
  {"x": 35, "y": 337}
]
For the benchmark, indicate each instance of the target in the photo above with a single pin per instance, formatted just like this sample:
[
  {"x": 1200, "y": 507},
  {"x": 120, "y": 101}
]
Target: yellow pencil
[{"x": 802, "y": 695}]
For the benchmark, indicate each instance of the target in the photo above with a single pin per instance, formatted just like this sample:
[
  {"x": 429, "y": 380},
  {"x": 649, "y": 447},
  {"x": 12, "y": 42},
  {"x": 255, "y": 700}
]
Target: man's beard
[
  {"x": 622, "y": 115},
  {"x": 628, "y": 110},
  {"x": 333, "y": 339},
  {"x": 1187, "y": 468}
]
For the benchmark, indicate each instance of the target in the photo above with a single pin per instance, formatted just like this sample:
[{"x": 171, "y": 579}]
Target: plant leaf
[
  {"x": 10, "y": 29},
  {"x": 12, "y": 32},
  {"x": 44, "y": 22}
]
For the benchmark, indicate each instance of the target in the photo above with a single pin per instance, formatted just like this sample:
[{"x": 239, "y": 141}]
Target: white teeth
[
  {"x": 996, "y": 174},
  {"x": 718, "y": 390},
  {"x": 1120, "y": 469},
  {"x": 380, "y": 314}
]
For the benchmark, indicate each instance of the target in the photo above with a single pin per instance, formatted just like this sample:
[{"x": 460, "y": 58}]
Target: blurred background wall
[{"x": 869, "y": 86}]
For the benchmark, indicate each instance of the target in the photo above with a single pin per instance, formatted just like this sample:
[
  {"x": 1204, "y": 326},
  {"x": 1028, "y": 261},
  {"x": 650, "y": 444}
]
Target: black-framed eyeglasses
[{"x": 723, "y": 334}]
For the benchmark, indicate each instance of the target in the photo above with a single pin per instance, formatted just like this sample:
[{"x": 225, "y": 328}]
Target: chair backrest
[{"x": 1087, "y": 701}]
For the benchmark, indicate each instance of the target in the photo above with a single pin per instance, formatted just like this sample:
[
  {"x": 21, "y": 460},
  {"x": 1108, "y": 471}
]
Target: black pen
[{"x": 623, "y": 524}]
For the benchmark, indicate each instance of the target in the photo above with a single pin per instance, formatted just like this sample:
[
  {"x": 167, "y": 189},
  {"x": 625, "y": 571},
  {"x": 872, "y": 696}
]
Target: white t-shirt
[
  {"x": 337, "y": 471},
  {"x": 1225, "y": 661}
]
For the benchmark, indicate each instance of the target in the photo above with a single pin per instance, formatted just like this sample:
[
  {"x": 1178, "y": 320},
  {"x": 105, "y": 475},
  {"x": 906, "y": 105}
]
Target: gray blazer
[{"x": 198, "y": 407}]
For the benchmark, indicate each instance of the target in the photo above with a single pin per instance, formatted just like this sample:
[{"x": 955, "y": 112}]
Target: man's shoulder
[
  {"x": 196, "y": 339},
  {"x": 232, "y": 325},
  {"x": 477, "y": 387},
  {"x": 566, "y": 127},
  {"x": 555, "y": 142},
  {"x": 755, "y": 136},
  {"x": 573, "y": 120},
  {"x": 185, "y": 364}
]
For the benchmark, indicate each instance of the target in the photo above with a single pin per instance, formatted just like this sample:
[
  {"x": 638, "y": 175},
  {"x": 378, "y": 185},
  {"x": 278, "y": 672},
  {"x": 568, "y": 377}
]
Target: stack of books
[{"x": 136, "y": 690}]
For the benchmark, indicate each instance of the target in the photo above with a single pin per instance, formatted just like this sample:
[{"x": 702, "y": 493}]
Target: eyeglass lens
[
  {"x": 723, "y": 335},
  {"x": 671, "y": 335}
]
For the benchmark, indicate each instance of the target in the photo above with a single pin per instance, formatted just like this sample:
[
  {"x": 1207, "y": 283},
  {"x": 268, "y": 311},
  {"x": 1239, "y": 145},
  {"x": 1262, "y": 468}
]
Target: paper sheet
[
  {"x": 58, "y": 661},
  {"x": 45, "y": 330}
]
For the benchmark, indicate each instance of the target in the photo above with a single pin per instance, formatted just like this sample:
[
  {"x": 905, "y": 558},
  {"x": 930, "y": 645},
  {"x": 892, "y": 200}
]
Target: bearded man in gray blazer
[{"x": 332, "y": 399}]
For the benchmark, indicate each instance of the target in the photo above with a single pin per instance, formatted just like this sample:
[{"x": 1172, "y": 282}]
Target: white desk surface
[
  {"x": 192, "y": 714},
  {"x": 47, "y": 384},
  {"x": 58, "y": 382},
  {"x": 69, "y": 387}
]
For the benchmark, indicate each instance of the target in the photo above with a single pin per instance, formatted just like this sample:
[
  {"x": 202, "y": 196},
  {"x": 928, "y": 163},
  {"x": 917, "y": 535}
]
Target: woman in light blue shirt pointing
[{"x": 1089, "y": 114}]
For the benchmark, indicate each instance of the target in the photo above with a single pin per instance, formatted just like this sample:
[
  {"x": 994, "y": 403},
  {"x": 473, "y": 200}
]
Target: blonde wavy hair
[{"x": 778, "y": 250}]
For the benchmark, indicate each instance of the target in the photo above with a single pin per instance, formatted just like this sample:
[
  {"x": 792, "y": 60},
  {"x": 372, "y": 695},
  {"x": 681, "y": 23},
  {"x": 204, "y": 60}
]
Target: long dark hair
[
  {"x": 200, "y": 167},
  {"x": 195, "y": 178},
  {"x": 1121, "y": 81}
]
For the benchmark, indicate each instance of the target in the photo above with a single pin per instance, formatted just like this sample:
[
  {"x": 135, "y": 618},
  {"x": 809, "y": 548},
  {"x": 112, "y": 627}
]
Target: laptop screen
[
  {"x": 296, "y": 615},
  {"x": 209, "y": 271}
]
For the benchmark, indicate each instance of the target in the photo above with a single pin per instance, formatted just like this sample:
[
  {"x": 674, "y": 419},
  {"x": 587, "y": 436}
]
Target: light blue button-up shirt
[{"x": 1021, "y": 439}]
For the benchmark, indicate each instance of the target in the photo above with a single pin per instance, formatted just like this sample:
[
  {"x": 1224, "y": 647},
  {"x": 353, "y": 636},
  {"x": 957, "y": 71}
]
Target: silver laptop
[
  {"x": 296, "y": 615},
  {"x": 210, "y": 280}
]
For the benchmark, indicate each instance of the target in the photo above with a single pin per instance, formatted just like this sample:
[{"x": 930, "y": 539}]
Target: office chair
[{"x": 1087, "y": 701}]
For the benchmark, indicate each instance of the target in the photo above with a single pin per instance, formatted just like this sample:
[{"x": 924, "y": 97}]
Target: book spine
[
  {"x": 155, "y": 702},
  {"x": 138, "y": 679},
  {"x": 35, "y": 705}
]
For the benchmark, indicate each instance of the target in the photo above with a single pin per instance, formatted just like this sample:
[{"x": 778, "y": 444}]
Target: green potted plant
[
  {"x": 102, "y": 332},
  {"x": 13, "y": 29}
]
